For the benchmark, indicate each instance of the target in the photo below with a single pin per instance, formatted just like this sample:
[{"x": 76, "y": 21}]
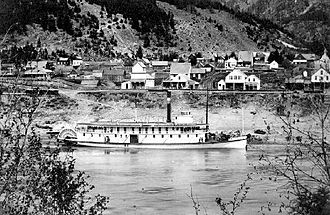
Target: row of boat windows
[
  {"x": 154, "y": 136},
  {"x": 139, "y": 130}
]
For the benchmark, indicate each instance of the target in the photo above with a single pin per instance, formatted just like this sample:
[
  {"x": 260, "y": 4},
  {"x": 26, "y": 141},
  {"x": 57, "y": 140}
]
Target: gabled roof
[
  {"x": 178, "y": 78},
  {"x": 310, "y": 57},
  {"x": 237, "y": 72},
  {"x": 299, "y": 57},
  {"x": 180, "y": 68},
  {"x": 220, "y": 76},
  {"x": 245, "y": 56},
  {"x": 146, "y": 61},
  {"x": 140, "y": 64},
  {"x": 316, "y": 72},
  {"x": 233, "y": 60}
]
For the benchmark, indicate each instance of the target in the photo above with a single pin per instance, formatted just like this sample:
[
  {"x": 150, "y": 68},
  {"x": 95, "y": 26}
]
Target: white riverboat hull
[{"x": 234, "y": 143}]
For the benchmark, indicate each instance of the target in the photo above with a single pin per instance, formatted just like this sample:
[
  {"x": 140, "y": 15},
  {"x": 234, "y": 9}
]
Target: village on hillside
[{"x": 239, "y": 71}]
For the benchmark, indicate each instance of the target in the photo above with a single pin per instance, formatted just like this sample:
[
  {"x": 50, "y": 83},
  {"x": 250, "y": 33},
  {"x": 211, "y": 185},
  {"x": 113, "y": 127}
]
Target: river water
[{"x": 160, "y": 181}]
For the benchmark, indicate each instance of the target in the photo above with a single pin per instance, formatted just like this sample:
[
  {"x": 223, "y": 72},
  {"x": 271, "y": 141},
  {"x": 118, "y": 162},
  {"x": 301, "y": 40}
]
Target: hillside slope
[
  {"x": 208, "y": 31},
  {"x": 308, "y": 20}
]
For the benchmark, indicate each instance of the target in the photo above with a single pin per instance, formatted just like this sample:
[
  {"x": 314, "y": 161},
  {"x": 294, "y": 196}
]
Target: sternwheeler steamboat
[{"x": 181, "y": 132}]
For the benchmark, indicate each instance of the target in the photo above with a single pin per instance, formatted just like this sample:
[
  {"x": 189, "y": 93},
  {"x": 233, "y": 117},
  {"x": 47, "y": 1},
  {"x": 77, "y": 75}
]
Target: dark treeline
[
  {"x": 145, "y": 17},
  {"x": 51, "y": 15}
]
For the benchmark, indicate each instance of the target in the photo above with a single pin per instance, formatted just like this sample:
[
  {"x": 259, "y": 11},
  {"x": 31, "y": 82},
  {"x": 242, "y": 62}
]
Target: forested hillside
[
  {"x": 309, "y": 20},
  {"x": 51, "y": 15},
  {"x": 145, "y": 17}
]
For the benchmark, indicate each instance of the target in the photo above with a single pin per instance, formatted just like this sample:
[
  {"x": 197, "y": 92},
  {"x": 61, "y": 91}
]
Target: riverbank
[{"x": 260, "y": 115}]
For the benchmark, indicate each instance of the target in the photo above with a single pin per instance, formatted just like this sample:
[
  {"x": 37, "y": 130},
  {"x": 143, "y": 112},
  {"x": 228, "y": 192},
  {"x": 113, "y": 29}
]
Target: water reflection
[{"x": 159, "y": 181}]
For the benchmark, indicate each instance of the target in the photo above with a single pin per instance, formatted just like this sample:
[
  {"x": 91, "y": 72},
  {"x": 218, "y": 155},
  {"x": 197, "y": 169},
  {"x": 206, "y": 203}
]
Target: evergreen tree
[{"x": 139, "y": 53}]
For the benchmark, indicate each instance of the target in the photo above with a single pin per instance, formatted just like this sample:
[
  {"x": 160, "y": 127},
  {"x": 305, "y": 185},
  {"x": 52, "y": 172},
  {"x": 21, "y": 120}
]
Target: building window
[
  {"x": 179, "y": 135},
  {"x": 166, "y": 130},
  {"x": 91, "y": 135},
  {"x": 153, "y": 130},
  {"x": 188, "y": 135},
  {"x": 231, "y": 77},
  {"x": 117, "y": 130},
  {"x": 99, "y": 135},
  {"x": 160, "y": 130},
  {"x": 154, "y": 136},
  {"x": 196, "y": 135},
  {"x": 84, "y": 134},
  {"x": 327, "y": 78},
  {"x": 239, "y": 77},
  {"x": 133, "y": 130},
  {"x": 254, "y": 80},
  {"x": 115, "y": 135},
  {"x": 321, "y": 72},
  {"x": 171, "y": 135},
  {"x": 146, "y": 130},
  {"x": 125, "y": 130},
  {"x": 162, "y": 135},
  {"x": 121, "y": 136}
]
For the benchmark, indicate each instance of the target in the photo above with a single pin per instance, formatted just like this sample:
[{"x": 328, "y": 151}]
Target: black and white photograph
[{"x": 164, "y": 107}]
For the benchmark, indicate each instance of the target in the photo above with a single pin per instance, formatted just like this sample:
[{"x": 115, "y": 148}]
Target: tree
[
  {"x": 139, "y": 53},
  {"x": 35, "y": 179},
  {"x": 305, "y": 163}
]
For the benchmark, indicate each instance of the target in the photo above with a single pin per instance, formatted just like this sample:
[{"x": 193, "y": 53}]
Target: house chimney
[{"x": 168, "y": 99}]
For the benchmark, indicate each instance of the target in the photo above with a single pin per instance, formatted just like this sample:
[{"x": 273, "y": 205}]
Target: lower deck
[{"x": 107, "y": 138}]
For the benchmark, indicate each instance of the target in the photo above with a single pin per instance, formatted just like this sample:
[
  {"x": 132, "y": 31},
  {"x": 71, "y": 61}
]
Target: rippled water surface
[{"x": 159, "y": 181}]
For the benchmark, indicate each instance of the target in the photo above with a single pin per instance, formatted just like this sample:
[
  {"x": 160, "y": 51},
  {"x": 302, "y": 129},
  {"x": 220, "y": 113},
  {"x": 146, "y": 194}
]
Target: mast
[{"x": 207, "y": 109}]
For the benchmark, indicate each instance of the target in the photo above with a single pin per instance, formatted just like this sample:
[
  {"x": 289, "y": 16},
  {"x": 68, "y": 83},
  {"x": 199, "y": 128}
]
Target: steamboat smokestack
[{"x": 168, "y": 99}]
